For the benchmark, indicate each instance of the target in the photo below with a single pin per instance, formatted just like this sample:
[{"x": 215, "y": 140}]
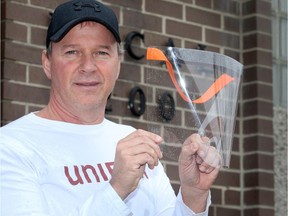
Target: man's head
[
  {"x": 85, "y": 62},
  {"x": 71, "y": 13}
]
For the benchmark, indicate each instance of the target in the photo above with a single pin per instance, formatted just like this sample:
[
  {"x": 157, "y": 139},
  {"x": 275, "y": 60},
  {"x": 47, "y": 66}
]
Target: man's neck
[{"x": 87, "y": 117}]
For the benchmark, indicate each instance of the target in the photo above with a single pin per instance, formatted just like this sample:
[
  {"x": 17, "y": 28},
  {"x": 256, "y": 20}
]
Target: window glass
[
  {"x": 284, "y": 86},
  {"x": 274, "y": 5},
  {"x": 274, "y": 37},
  {"x": 284, "y": 38},
  {"x": 283, "y": 5},
  {"x": 276, "y": 87},
  {"x": 279, "y": 51}
]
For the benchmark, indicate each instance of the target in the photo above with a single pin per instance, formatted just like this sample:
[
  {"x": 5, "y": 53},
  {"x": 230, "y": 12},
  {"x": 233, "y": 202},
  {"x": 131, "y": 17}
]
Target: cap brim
[{"x": 68, "y": 26}]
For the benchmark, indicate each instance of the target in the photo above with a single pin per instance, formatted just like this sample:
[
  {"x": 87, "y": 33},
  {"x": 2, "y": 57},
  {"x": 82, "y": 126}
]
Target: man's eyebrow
[
  {"x": 108, "y": 47},
  {"x": 65, "y": 46}
]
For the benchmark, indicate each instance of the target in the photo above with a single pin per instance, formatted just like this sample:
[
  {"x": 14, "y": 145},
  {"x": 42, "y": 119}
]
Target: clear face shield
[{"x": 206, "y": 87}]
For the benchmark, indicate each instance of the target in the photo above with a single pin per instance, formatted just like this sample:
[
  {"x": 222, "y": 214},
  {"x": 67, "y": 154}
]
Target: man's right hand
[{"x": 132, "y": 154}]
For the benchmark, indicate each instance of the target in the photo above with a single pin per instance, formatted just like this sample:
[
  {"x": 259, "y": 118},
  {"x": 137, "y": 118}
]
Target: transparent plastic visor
[{"x": 206, "y": 87}]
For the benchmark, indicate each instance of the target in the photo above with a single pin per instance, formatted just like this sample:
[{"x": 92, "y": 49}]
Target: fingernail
[
  {"x": 159, "y": 139},
  {"x": 202, "y": 168}
]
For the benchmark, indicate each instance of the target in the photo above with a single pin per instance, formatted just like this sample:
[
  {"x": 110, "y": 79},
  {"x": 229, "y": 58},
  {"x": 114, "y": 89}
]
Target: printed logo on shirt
[{"x": 81, "y": 174}]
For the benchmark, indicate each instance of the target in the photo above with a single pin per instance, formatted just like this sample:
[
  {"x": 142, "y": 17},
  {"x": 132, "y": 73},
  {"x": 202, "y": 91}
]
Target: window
[{"x": 279, "y": 37}]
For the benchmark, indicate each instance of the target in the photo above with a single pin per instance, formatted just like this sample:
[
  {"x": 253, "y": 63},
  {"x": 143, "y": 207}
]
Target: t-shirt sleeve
[
  {"x": 182, "y": 209},
  {"x": 168, "y": 204}
]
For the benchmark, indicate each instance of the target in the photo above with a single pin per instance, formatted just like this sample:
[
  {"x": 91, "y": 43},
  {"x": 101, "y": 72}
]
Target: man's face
[{"x": 83, "y": 67}]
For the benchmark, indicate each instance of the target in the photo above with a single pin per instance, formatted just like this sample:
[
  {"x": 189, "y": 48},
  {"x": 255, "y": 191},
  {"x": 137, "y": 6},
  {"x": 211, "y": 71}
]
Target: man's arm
[{"x": 199, "y": 165}]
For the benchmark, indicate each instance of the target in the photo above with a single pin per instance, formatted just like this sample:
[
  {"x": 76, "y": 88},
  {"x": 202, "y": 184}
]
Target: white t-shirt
[{"x": 62, "y": 169}]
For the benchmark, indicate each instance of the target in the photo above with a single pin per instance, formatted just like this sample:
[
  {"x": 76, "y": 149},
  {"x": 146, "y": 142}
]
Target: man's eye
[
  {"x": 71, "y": 52},
  {"x": 102, "y": 53}
]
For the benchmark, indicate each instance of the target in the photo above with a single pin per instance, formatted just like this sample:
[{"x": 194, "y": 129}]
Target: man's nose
[{"x": 88, "y": 63}]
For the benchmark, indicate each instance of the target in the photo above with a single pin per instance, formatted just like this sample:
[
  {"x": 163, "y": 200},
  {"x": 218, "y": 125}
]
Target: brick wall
[{"x": 240, "y": 29}]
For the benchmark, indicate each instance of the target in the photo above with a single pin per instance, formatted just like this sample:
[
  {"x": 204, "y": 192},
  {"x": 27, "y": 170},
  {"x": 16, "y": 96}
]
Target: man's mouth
[{"x": 87, "y": 84}]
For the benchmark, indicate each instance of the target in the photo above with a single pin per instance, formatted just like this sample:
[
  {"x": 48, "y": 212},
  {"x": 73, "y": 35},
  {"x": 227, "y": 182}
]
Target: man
[{"x": 67, "y": 159}]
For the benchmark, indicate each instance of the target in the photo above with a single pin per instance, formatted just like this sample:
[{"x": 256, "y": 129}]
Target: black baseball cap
[{"x": 71, "y": 13}]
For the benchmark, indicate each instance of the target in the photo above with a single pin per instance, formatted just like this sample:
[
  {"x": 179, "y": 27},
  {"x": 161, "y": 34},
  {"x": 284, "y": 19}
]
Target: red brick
[
  {"x": 25, "y": 93},
  {"x": 259, "y": 179},
  {"x": 258, "y": 161},
  {"x": 233, "y": 54},
  {"x": 38, "y": 36},
  {"x": 216, "y": 196},
  {"x": 126, "y": 3},
  {"x": 222, "y": 39},
  {"x": 122, "y": 89},
  {"x": 226, "y": 178},
  {"x": 176, "y": 188},
  {"x": 256, "y": 23},
  {"x": 136, "y": 124},
  {"x": 231, "y": 24},
  {"x": 32, "y": 108},
  {"x": 260, "y": 126},
  {"x": 22, "y": 52},
  {"x": 204, "y": 3},
  {"x": 232, "y": 197},
  {"x": 164, "y": 8},
  {"x": 15, "y": 31},
  {"x": 142, "y": 21},
  {"x": 37, "y": 76},
  {"x": 257, "y": 211},
  {"x": 120, "y": 107},
  {"x": 257, "y": 73},
  {"x": 172, "y": 172},
  {"x": 259, "y": 7},
  {"x": 170, "y": 153},
  {"x": 183, "y": 30},
  {"x": 259, "y": 197},
  {"x": 203, "y": 17},
  {"x": 152, "y": 39},
  {"x": 130, "y": 72},
  {"x": 26, "y": 14},
  {"x": 232, "y": 7},
  {"x": 255, "y": 107},
  {"x": 47, "y": 4},
  {"x": 11, "y": 111},
  {"x": 235, "y": 162},
  {"x": 258, "y": 143},
  {"x": 257, "y": 40},
  {"x": 176, "y": 135},
  {"x": 158, "y": 77},
  {"x": 13, "y": 71},
  {"x": 226, "y": 211},
  {"x": 257, "y": 90}
]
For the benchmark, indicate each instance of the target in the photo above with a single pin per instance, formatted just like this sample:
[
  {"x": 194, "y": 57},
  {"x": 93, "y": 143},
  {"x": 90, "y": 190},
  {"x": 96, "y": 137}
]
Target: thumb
[{"x": 190, "y": 147}]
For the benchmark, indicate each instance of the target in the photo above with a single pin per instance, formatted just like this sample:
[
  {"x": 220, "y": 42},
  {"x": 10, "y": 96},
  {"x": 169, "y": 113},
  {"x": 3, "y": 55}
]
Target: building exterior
[{"x": 254, "y": 32}]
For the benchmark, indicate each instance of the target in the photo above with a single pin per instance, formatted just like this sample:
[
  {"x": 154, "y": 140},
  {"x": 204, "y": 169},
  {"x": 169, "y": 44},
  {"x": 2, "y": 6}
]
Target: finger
[
  {"x": 190, "y": 147},
  {"x": 211, "y": 161},
  {"x": 140, "y": 133},
  {"x": 199, "y": 160},
  {"x": 144, "y": 142},
  {"x": 144, "y": 148},
  {"x": 141, "y": 160}
]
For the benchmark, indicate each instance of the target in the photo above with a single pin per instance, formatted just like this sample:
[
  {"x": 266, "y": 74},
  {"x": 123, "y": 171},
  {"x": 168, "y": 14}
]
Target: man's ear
[{"x": 46, "y": 64}]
